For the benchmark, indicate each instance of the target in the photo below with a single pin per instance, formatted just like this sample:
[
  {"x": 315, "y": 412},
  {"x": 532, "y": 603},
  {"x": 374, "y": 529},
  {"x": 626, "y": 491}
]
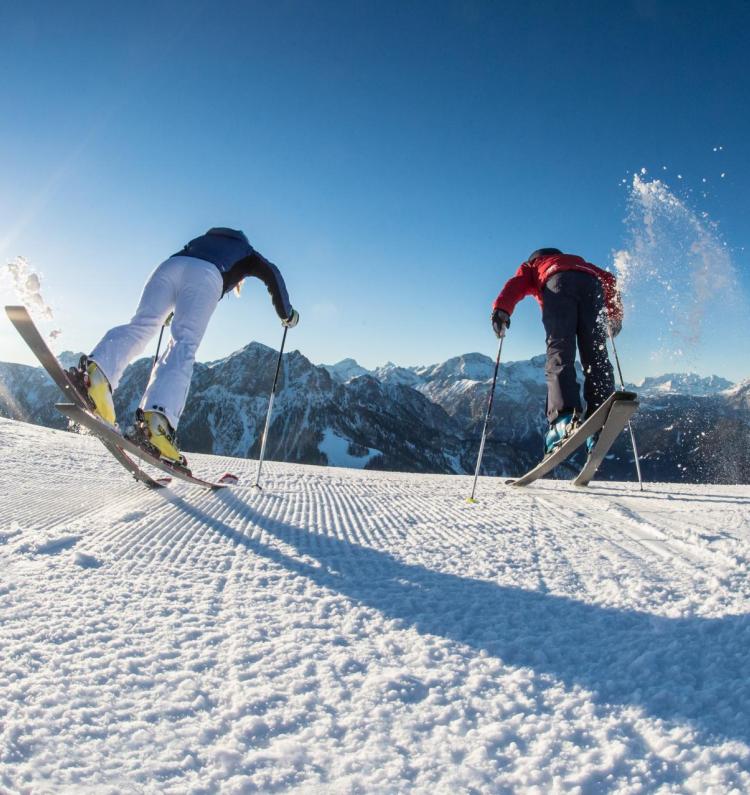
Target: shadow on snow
[{"x": 692, "y": 669}]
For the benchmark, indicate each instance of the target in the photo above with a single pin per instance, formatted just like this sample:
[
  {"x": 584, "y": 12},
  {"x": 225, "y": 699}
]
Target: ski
[
  {"x": 112, "y": 437},
  {"x": 20, "y": 318},
  {"x": 126, "y": 461},
  {"x": 616, "y": 421},
  {"x": 593, "y": 424}
]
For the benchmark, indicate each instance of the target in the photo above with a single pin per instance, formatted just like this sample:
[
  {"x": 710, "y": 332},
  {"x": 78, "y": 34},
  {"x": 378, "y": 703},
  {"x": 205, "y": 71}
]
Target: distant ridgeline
[{"x": 418, "y": 419}]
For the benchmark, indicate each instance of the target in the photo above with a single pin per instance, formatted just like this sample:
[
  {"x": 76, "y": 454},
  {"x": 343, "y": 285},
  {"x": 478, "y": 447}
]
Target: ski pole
[
  {"x": 486, "y": 420},
  {"x": 630, "y": 425},
  {"x": 257, "y": 485},
  {"x": 158, "y": 344}
]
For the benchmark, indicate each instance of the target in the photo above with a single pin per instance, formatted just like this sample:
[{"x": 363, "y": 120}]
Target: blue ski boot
[
  {"x": 559, "y": 430},
  {"x": 591, "y": 442}
]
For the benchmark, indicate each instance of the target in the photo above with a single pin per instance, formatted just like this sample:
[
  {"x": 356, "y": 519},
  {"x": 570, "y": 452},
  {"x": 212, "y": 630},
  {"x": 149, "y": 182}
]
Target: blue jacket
[
  {"x": 219, "y": 245},
  {"x": 235, "y": 258}
]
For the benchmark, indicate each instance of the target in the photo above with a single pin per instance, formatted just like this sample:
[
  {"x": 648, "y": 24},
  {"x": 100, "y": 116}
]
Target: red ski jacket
[{"x": 531, "y": 277}]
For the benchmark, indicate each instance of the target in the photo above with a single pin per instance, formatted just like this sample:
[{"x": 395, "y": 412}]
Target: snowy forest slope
[{"x": 355, "y": 631}]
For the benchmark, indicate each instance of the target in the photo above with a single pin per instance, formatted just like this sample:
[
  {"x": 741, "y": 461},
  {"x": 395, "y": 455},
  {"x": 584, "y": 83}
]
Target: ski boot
[
  {"x": 559, "y": 430},
  {"x": 93, "y": 384},
  {"x": 591, "y": 442},
  {"x": 154, "y": 433}
]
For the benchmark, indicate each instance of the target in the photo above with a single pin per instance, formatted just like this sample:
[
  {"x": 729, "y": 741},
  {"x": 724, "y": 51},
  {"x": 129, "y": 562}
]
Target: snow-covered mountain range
[
  {"x": 473, "y": 367},
  {"x": 682, "y": 384},
  {"x": 419, "y": 419}
]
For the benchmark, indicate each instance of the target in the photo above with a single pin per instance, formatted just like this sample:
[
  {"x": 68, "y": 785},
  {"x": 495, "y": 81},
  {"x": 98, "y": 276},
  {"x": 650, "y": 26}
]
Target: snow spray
[
  {"x": 675, "y": 272},
  {"x": 684, "y": 300},
  {"x": 27, "y": 284}
]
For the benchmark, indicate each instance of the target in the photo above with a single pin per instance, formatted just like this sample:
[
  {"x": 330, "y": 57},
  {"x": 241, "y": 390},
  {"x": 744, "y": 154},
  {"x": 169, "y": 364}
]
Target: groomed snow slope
[{"x": 360, "y": 632}]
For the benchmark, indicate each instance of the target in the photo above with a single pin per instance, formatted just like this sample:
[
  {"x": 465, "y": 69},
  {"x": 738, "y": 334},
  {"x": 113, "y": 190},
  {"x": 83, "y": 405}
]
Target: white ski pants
[{"x": 189, "y": 287}]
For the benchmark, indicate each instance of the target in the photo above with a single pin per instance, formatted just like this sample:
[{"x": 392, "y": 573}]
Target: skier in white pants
[{"x": 190, "y": 283}]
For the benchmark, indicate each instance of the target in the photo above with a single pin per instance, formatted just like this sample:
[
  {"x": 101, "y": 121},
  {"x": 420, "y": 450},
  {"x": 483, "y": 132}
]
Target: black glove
[
  {"x": 500, "y": 322},
  {"x": 292, "y": 320}
]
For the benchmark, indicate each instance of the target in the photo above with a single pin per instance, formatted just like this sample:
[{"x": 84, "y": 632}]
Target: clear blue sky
[{"x": 396, "y": 160}]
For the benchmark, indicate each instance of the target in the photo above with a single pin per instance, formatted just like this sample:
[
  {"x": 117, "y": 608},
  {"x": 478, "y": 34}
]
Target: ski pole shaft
[
  {"x": 270, "y": 410},
  {"x": 158, "y": 344},
  {"x": 487, "y": 419},
  {"x": 630, "y": 425}
]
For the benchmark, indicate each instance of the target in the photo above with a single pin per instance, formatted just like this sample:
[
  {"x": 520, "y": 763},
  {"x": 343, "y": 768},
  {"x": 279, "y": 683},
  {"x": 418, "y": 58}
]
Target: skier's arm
[
  {"x": 612, "y": 301},
  {"x": 517, "y": 287},
  {"x": 258, "y": 266}
]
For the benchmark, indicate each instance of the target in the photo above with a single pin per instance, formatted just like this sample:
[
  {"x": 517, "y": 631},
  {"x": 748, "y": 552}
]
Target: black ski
[
  {"x": 20, "y": 318},
  {"x": 617, "y": 419},
  {"x": 111, "y": 437},
  {"x": 593, "y": 424}
]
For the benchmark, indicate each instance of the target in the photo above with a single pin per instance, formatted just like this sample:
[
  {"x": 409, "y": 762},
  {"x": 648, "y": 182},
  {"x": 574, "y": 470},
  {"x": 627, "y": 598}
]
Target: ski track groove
[
  {"x": 138, "y": 532},
  {"x": 534, "y": 549},
  {"x": 196, "y": 546},
  {"x": 612, "y": 530},
  {"x": 557, "y": 564},
  {"x": 683, "y": 552},
  {"x": 53, "y": 504},
  {"x": 670, "y": 575},
  {"x": 152, "y": 544},
  {"x": 621, "y": 551},
  {"x": 683, "y": 566}
]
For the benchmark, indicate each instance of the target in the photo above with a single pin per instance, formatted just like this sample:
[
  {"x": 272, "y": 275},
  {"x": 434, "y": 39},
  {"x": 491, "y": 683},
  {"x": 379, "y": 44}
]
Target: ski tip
[
  {"x": 510, "y": 482},
  {"x": 625, "y": 394},
  {"x": 228, "y": 479},
  {"x": 16, "y": 314}
]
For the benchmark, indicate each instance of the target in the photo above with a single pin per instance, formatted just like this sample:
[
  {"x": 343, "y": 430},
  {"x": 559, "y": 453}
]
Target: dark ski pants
[{"x": 573, "y": 303}]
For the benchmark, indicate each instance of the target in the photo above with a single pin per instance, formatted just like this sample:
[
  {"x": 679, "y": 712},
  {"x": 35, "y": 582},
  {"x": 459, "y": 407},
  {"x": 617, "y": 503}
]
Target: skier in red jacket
[{"x": 578, "y": 301}]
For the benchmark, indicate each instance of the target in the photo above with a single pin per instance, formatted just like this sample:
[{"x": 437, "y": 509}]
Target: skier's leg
[
  {"x": 560, "y": 317},
  {"x": 598, "y": 375},
  {"x": 122, "y": 344},
  {"x": 199, "y": 292}
]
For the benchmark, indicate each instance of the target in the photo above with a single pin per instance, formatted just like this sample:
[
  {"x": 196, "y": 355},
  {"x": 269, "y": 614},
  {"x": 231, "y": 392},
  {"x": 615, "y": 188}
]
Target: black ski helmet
[{"x": 543, "y": 252}]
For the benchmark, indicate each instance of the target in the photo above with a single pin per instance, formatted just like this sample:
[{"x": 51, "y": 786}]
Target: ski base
[
  {"x": 592, "y": 425},
  {"x": 617, "y": 419}
]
